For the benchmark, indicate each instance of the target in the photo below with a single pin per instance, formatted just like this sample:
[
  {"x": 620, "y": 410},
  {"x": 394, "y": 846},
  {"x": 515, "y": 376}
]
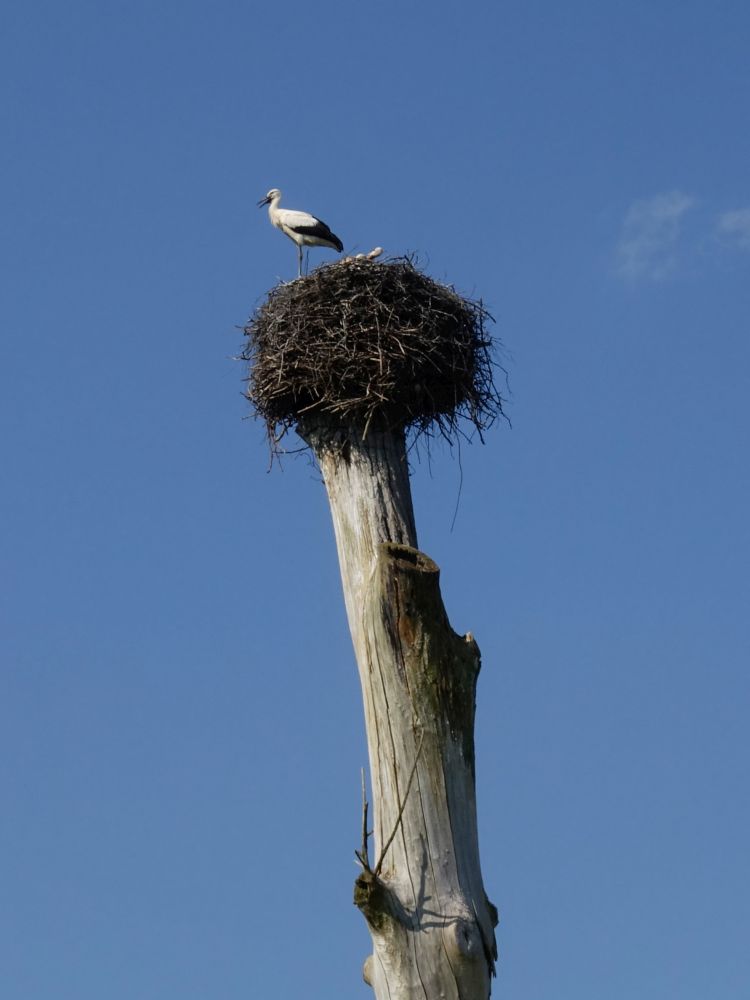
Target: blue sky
[{"x": 179, "y": 709}]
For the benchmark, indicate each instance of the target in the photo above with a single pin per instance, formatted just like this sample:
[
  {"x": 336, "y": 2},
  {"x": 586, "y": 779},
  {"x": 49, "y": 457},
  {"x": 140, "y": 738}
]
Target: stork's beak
[{"x": 263, "y": 201}]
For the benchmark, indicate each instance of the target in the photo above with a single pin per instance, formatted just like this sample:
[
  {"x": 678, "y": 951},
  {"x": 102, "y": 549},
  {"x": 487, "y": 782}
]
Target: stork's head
[{"x": 273, "y": 195}]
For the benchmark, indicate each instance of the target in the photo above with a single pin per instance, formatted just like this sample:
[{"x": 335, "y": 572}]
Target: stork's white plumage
[{"x": 303, "y": 228}]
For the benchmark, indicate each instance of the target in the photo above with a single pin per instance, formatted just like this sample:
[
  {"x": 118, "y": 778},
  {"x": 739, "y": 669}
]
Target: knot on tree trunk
[{"x": 375, "y": 901}]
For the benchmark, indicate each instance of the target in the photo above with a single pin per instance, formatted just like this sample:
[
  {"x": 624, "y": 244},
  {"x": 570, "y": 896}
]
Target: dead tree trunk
[
  {"x": 351, "y": 356},
  {"x": 421, "y": 893}
]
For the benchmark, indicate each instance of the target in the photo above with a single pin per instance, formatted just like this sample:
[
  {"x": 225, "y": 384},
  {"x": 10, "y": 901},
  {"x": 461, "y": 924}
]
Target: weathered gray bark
[{"x": 432, "y": 925}]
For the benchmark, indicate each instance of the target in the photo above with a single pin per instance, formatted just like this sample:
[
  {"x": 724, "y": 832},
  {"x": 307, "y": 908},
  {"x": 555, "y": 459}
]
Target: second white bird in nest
[{"x": 303, "y": 228}]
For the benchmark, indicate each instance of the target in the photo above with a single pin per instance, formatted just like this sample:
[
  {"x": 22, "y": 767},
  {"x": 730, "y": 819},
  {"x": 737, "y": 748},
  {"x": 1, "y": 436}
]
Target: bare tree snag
[
  {"x": 421, "y": 891},
  {"x": 431, "y": 922}
]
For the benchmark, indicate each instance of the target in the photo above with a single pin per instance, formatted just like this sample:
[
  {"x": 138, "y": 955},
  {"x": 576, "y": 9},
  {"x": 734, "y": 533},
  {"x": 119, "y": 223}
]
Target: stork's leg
[{"x": 299, "y": 260}]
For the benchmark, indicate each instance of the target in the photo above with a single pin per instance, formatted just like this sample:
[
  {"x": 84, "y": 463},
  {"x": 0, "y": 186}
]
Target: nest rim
[{"x": 360, "y": 345}]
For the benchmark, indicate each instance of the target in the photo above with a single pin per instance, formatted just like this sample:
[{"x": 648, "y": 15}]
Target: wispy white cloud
[
  {"x": 734, "y": 227},
  {"x": 650, "y": 236}
]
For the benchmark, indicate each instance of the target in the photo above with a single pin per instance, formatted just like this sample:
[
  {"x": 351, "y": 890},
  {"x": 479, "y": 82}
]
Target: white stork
[{"x": 301, "y": 227}]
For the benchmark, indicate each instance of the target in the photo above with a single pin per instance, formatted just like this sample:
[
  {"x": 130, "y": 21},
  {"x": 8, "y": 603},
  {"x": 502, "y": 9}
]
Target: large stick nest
[{"x": 359, "y": 344}]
